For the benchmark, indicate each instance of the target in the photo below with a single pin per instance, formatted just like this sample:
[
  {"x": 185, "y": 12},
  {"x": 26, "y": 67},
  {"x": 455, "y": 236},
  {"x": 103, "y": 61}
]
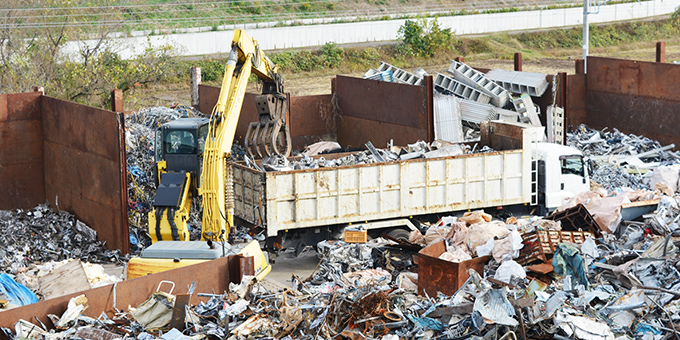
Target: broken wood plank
[{"x": 67, "y": 279}]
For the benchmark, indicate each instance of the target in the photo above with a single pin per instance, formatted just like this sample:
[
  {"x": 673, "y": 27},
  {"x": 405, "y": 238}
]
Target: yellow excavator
[{"x": 192, "y": 158}]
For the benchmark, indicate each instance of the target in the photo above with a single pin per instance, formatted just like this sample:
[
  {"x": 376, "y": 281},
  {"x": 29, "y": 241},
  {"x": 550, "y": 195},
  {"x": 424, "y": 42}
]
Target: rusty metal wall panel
[
  {"x": 355, "y": 132},
  {"x": 502, "y": 136},
  {"x": 384, "y": 102},
  {"x": 80, "y": 127},
  {"x": 209, "y": 276},
  {"x": 312, "y": 118},
  {"x": 635, "y": 78},
  {"x": 84, "y": 170},
  {"x": 653, "y": 118},
  {"x": 633, "y": 96},
  {"x": 207, "y": 98},
  {"x": 575, "y": 110},
  {"x": 21, "y": 151},
  {"x": 309, "y": 115},
  {"x": 20, "y": 106},
  {"x": 435, "y": 275}
]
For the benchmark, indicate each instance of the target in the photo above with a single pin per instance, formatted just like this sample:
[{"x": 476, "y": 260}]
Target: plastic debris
[{"x": 14, "y": 292}]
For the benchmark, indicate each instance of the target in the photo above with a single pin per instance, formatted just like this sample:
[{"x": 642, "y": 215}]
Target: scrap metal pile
[
  {"x": 34, "y": 242},
  {"x": 42, "y": 235},
  {"x": 621, "y": 160},
  {"x": 325, "y": 155},
  {"x": 465, "y": 97},
  {"x": 469, "y": 277}
]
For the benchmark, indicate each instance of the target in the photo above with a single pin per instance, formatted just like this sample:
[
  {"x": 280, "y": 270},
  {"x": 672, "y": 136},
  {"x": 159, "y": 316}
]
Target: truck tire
[{"x": 399, "y": 234}]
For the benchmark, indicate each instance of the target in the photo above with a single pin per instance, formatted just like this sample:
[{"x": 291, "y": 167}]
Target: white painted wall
[{"x": 271, "y": 38}]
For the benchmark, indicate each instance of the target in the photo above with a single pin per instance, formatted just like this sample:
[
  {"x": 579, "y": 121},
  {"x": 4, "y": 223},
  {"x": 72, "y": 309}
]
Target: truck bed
[{"x": 288, "y": 200}]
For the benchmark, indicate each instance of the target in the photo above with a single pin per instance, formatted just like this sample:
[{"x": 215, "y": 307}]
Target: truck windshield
[
  {"x": 572, "y": 165},
  {"x": 179, "y": 141}
]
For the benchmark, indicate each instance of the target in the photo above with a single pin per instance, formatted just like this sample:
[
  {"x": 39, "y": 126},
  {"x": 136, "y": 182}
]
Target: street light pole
[{"x": 586, "y": 34}]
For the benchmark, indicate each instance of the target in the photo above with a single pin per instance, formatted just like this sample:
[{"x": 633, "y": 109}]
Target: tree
[
  {"x": 54, "y": 44},
  {"x": 424, "y": 38}
]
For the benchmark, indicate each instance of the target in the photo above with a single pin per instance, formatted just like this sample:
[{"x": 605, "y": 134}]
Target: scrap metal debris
[
  {"x": 34, "y": 240},
  {"x": 475, "y": 96},
  {"x": 42, "y": 234},
  {"x": 620, "y": 160},
  {"x": 622, "y": 284},
  {"x": 372, "y": 154}
]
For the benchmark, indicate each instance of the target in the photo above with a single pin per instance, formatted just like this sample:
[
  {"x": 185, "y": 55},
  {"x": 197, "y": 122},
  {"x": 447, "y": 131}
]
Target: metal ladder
[{"x": 534, "y": 175}]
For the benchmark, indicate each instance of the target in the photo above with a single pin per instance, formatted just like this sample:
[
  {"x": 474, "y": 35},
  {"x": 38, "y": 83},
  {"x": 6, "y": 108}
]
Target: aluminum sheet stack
[{"x": 478, "y": 96}]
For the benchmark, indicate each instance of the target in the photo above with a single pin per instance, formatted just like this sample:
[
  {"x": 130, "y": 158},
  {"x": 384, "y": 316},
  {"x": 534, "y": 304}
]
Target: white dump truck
[{"x": 302, "y": 207}]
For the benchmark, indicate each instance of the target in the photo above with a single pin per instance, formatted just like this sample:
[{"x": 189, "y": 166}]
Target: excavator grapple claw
[{"x": 271, "y": 135}]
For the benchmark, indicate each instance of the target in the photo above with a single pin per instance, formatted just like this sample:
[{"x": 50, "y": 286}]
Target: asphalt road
[{"x": 286, "y": 263}]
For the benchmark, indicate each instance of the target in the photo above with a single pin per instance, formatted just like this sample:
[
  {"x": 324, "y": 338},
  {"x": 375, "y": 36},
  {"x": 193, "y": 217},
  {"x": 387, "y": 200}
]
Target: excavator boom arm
[{"x": 216, "y": 185}]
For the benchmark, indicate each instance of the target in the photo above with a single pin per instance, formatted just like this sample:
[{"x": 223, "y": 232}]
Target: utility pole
[
  {"x": 586, "y": 29},
  {"x": 586, "y": 33}
]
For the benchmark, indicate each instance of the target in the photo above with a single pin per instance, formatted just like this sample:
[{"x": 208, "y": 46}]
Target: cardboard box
[
  {"x": 435, "y": 275},
  {"x": 356, "y": 236}
]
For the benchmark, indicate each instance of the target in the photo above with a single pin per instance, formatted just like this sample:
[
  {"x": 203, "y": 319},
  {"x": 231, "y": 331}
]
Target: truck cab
[{"x": 562, "y": 173}]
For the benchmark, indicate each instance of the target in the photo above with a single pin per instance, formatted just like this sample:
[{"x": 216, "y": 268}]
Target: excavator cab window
[
  {"x": 159, "y": 146},
  {"x": 180, "y": 142},
  {"x": 202, "y": 135}
]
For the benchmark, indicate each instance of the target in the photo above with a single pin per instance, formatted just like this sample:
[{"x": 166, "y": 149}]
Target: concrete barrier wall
[
  {"x": 22, "y": 183},
  {"x": 635, "y": 97},
  {"x": 272, "y": 38}
]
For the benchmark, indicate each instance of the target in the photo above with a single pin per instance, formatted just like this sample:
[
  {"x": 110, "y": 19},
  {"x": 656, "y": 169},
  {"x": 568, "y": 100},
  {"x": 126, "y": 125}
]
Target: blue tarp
[{"x": 16, "y": 293}]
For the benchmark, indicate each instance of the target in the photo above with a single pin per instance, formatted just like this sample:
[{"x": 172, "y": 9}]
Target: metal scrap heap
[
  {"x": 42, "y": 235},
  {"x": 620, "y": 160},
  {"x": 469, "y": 277}
]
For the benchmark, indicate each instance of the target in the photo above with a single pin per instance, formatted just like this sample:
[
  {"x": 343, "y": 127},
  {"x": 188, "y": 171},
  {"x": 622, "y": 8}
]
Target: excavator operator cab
[{"x": 180, "y": 143}]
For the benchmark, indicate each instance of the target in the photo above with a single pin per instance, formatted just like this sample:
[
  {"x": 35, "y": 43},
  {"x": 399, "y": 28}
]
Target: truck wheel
[{"x": 399, "y": 234}]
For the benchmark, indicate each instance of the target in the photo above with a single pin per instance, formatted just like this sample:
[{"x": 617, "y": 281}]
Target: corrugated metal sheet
[
  {"x": 474, "y": 112},
  {"x": 374, "y": 74},
  {"x": 518, "y": 82},
  {"x": 447, "y": 122}
]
